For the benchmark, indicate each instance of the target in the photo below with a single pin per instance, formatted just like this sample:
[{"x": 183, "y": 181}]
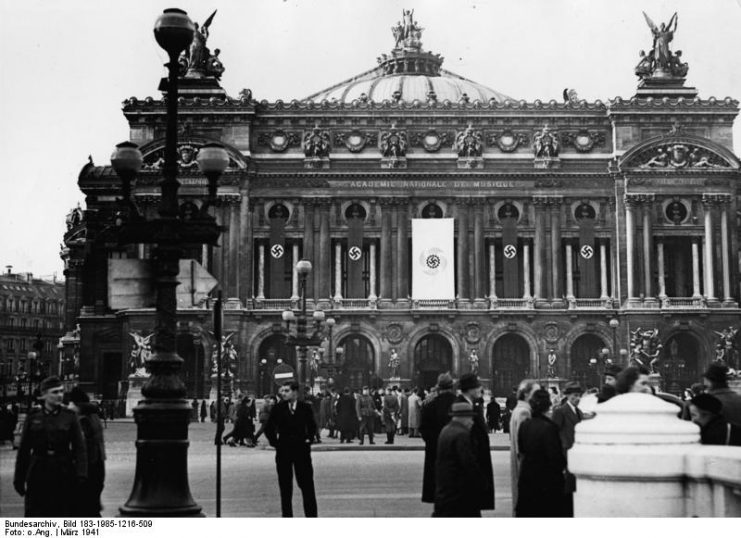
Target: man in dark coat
[
  {"x": 346, "y": 416},
  {"x": 87, "y": 497},
  {"x": 608, "y": 388},
  {"x": 493, "y": 415},
  {"x": 566, "y": 417},
  {"x": 705, "y": 411},
  {"x": 291, "y": 429},
  {"x": 366, "y": 411},
  {"x": 471, "y": 390},
  {"x": 434, "y": 416},
  {"x": 716, "y": 380},
  {"x": 459, "y": 481},
  {"x": 391, "y": 410},
  {"x": 52, "y": 457}
]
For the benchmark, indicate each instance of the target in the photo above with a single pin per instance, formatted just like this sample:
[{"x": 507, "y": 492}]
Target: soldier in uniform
[{"x": 52, "y": 457}]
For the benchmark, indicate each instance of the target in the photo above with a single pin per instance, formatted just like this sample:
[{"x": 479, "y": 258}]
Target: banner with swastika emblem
[
  {"x": 354, "y": 257},
  {"x": 278, "y": 288},
  {"x": 433, "y": 270},
  {"x": 511, "y": 255},
  {"x": 587, "y": 250}
]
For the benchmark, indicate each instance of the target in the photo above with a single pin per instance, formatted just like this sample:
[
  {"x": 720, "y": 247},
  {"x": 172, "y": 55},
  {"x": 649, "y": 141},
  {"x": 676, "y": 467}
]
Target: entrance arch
[
  {"x": 678, "y": 366},
  {"x": 585, "y": 348},
  {"x": 358, "y": 360},
  {"x": 433, "y": 355},
  {"x": 510, "y": 360},
  {"x": 272, "y": 349}
]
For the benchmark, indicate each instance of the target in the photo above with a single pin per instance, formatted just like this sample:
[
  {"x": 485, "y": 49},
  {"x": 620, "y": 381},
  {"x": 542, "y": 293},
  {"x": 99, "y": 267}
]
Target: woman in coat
[
  {"x": 415, "y": 408},
  {"x": 347, "y": 420},
  {"x": 541, "y": 483}
]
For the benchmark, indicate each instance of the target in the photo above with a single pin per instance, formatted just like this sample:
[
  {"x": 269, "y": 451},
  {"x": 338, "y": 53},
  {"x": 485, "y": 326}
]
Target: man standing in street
[
  {"x": 471, "y": 392},
  {"x": 290, "y": 429},
  {"x": 460, "y": 482},
  {"x": 520, "y": 414},
  {"x": 390, "y": 415},
  {"x": 51, "y": 458},
  {"x": 608, "y": 389},
  {"x": 716, "y": 380},
  {"x": 366, "y": 411},
  {"x": 566, "y": 417},
  {"x": 435, "y": 415}
]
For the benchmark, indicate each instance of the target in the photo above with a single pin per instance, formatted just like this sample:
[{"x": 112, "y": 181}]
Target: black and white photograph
[{"x": 376, "y": 259}]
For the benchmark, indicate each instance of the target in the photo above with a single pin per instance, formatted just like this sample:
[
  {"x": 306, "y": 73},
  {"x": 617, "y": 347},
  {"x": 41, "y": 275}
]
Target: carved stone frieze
[
  {"x": 548, "y": 183},
  {"x": 280, "y": 140},
  {"x": 642, "y": 198},
  {"x": 394, "y": 333},
  {"x": 393, "y": 143},
  {"x": 678, "y": 156},
  {"x": 507, "y": 141},
  {"x": 468, "y": 143},
  {"x": 584, "y": 140},
  {"x": 431, "y": 140},
  {"x": 355, "y": 140},
  {"x": 316, "y": 144}
]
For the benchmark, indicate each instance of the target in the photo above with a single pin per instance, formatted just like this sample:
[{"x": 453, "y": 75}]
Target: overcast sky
[{"x": 66, "y": 66}]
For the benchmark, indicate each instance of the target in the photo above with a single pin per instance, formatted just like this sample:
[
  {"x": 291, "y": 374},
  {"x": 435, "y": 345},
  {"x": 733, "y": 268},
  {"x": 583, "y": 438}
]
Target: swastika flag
[{"x": 433, "y": 270}]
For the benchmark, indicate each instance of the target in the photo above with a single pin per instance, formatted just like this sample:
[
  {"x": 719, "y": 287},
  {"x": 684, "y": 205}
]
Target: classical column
[
  {"x": 630, "y": 244},
  {"x": 492, "y": 272},
  {"x": 556, "y": 273},
  {"x": 387, "y": 254},
  {"x": 709, "y": 271},
  {"x": 538, "y": 247},
  {"x": 696, "y": 268},
  {"x": 261, "y": 271},
  {"x": 478, "y": 251},
  {"x": 660, "y": 262},
  {"x": 402, "y": 251},
  {"x": 308, "y": 246},
  {"x": 647, "y": 246},
  {"x": 325, "y": 245},
  {"x": 245, "y": 249},
  {"x": 724, "y": 252},
  {"x": 232, "y": 290},
  {"x": 525, "y": 269},
  {"x": 462, "y": 270},
  {"x": 338, "y": 271},
  {"x": 372, "y": 273},
  {"x": 294, "y": 274},
  {"x": 603, "y": 269},
  {"x": 569, "y": 272},
  {"x": 217, "y": 252}
]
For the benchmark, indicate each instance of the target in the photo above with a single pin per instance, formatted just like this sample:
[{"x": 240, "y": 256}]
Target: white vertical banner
[{"x": 433, "y": 267}]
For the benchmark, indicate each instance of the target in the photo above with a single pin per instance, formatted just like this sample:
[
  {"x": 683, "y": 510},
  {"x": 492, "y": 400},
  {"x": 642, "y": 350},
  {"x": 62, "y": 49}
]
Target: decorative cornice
[
  {"x": 634, "y": 199},
  {"x": 712, "y": 199}
]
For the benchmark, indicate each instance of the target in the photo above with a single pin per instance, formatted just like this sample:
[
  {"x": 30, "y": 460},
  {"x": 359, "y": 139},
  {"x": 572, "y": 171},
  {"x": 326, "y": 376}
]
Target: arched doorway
[
  {"x": 433, "y": 356},
  {"x": 190, "y": 349},
  {"x": 510, "y": 361},
  {"x": 585, "y": 348},
  {"x": 272, "y": 350},
  {"x": 358, "y": 360},
  {"x": 678, "y": 362}
]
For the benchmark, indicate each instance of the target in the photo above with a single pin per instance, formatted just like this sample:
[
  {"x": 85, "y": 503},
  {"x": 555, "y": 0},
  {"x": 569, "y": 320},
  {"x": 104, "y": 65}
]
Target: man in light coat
[{"x": 520, "y": 414}]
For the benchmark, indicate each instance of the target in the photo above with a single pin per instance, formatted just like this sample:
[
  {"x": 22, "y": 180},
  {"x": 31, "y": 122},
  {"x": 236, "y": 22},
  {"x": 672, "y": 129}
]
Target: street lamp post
[{"x": 161, "y": 480}]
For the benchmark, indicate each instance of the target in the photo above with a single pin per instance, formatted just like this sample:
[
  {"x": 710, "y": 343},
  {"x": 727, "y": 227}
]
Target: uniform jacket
[
  {"x": 404, "y": 403},
  {"x": 459, "y": 480},
  {"x": 566, "y": 420},
  {"x": 286, "y": 430},
  {"x": 51, "y": 457},
  {"x": 541, "y": 482},
  {"x": 365, "y": 407},
  {"x": 391, "y": 410},
  {"x": 435, "y": 415},
  {"x": 482, "y": 452},
  {"x": 731, "y": 401}
]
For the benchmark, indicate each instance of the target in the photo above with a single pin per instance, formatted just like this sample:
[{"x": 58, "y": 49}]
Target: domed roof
[{"x": 407, "y": 74}]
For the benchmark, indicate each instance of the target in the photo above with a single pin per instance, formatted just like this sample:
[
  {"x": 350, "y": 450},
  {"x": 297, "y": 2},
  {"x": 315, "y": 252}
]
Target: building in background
[
  {"x": 31, "y": 322},
  {"x": 579, "y": 229}
]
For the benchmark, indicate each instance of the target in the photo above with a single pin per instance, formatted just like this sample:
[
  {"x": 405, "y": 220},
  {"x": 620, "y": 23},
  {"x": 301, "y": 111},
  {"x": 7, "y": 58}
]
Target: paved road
[{"x": 378, "y": 483}]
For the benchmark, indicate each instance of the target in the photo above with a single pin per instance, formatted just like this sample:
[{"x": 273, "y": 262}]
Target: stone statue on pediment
[
  {"x": 545, "y": 143},
  {"x": 197, "y": 61},
  {"x": 660, "y": 62}
]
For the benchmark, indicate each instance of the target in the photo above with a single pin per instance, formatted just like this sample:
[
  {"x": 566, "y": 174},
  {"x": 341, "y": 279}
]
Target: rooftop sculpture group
[
  {"x": 197, "y": 61},
  {"x": 660, "y": 63}
]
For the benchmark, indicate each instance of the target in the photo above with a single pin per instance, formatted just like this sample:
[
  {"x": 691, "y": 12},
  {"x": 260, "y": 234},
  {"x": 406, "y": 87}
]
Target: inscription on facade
[{"x": 430, "y": 184}]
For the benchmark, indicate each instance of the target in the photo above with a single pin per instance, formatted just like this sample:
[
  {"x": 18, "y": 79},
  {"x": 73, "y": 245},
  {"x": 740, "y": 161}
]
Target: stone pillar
[
  {"x": 603, "y": 269},
  {"x": 661, "y": 269},
  {"x": 526, "y": 270},
  {"x": 462, "y": 270},
  {"x": 261, "y": 271},
  {"x": 556, "y": 286},
  {"x": 232, "y": 290},
  {"x": 696, "y": 293},
  {"x": 387, "y": 254},
  {"x": 569, "y": 272},
  {"x": 647, "y": 247},
  {"x": 709, "y": 271},
  {"x": 372, "y": 273},
  {"x": 492, "y": 272},
  {"x": 338, "y": 271},
  {"x": 308, "y": 246},
  {"x": 294, "y": 274},
  {"x": 402, "y": 251},
  {"x": 630, "y": 244},
  {"x": 634, "y": 439},
  {"x": 479, "y": 267},
  {"x": 724, "y": 253},
  {"x": 538, "y": 247},
  {"x": 246, "y": 242},
  {"x": 325, "y": 255}
]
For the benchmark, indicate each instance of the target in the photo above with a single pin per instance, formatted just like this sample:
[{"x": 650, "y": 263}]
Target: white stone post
[
  {"x": 338, "y": 272},
  {"x": 294, "y": 274},
  {"x": 660, "y": 261},
  {"x": 569, "y": 272},
  {"x": 492, "y": 273},
  {"x": 525, "y": 270},
  {"x": 372, "y": 273},
  {"x": 261, "y": 271},
  {"x": 603, "y": 270},
  {"x": 696, "y": 293}
]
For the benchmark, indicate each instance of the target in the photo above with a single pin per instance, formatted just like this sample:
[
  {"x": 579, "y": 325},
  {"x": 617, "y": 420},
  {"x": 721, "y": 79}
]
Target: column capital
[
  {"x": 635, "y": 199},
  {"x": 547, "y": 200},
  {"x": 711, "y": 199}
]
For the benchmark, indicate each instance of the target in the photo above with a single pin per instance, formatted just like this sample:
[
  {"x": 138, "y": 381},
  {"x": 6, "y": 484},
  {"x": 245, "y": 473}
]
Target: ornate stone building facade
[{"x": 568, "y": 216}]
